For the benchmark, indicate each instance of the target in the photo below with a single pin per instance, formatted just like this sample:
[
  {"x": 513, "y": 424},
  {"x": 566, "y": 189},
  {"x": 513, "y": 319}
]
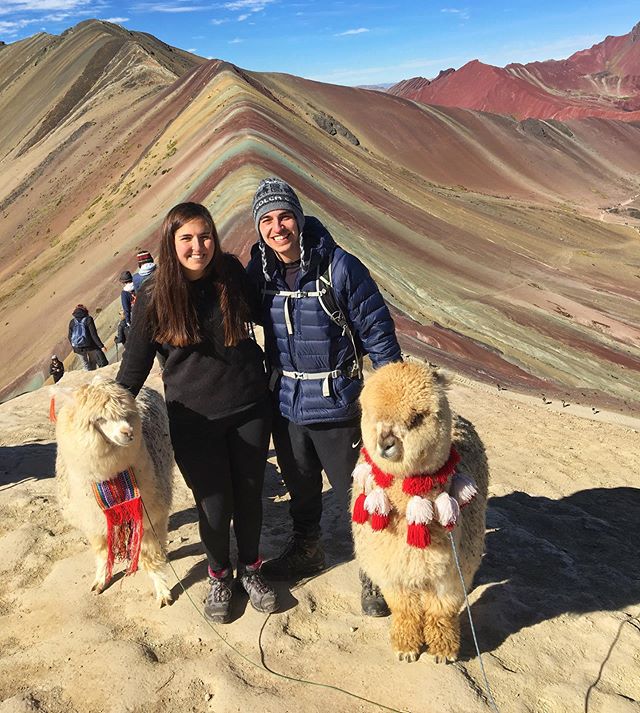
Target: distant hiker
[
  {"x": 315, "y": 363},
  {"x": 85, "y": 341},
  {"x": 128, "y": 295},
  {"x": 56, "y": 369},
  {"x": 121, "y": 333},
  {"x": 146, "y": 266},
  {"x": 195, "y": 310}
]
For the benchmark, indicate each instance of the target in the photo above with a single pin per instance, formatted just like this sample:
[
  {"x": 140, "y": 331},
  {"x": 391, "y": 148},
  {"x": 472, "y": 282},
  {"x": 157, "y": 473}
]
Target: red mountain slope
[{"x": 601, "y": 81}]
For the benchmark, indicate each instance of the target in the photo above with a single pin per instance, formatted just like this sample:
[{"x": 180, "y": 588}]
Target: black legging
[{"x": 223, "y": 462}]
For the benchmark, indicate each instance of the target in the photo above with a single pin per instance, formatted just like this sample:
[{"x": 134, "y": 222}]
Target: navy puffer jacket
[{"x": 313, "y": 343}]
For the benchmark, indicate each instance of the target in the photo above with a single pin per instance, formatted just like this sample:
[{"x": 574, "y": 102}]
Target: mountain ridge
[
  {"x": 489, "y": 237},
  {"x": 603, "y": 81}
]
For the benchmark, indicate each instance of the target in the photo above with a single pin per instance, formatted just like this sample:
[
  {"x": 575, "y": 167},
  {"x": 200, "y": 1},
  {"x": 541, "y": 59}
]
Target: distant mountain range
[
  {"x": 500, "y": 244},
  {"x": 602, "y": 81}
]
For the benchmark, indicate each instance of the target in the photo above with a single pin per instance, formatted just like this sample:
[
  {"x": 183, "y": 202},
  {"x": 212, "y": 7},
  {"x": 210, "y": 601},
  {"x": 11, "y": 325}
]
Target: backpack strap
[
  {"x": 290, "y": 295},
  {"x": 326, "y": 297},
  {"x": 329, "y": 304}
]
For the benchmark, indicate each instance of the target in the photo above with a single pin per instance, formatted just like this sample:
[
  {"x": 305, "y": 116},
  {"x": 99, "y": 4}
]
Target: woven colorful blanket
[{"x": 119, "y": 499}]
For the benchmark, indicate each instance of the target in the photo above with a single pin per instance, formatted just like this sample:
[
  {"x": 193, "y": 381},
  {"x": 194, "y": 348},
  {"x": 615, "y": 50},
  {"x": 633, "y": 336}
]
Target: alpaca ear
[
  {"x": 444, "y": 378},
  {"x": 61, "y": 395}
]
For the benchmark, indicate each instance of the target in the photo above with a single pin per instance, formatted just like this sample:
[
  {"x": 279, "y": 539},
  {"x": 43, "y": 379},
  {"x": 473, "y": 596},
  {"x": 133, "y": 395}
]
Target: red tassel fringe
[
  {"x": 360, "y": 515},
  {"x": 418, "y": 535},
  {"x": 379, "y": 522},
  {"x": 124, "y": 534},
  {"x": 52, "y": 410}
]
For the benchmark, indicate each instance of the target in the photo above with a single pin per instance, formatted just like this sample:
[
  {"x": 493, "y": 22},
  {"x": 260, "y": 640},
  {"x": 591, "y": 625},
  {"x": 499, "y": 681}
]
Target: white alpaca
[{"x": 101, "y": 431}]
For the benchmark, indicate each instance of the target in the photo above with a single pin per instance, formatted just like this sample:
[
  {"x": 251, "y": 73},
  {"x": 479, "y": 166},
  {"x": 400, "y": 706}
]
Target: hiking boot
[
  {"x": 371, "y": 599},
  {"x": 217, "y": 605},
  {"x": 300, "y": 558},
  {"x": 261, "y": 594}
]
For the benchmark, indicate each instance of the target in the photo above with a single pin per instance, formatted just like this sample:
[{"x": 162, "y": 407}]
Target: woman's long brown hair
[{"x": 171, "y": 310}]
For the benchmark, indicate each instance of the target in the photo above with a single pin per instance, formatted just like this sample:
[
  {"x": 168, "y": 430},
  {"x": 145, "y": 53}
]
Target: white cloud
[
  {"x": 14, "y": 6},
  {"x": 11, "y": 27},
  {"x": 250, "y": 5},
  {"x": 215, "y": 21},
  {"x": 359, "y": 31},
  {"x": 462, "y": 14},
  {"x": 170, "y": 7},
  {"x": 116, "y": 20},
  {"x": 242, "y": 18},
  {"x": 235, "y": 41},
  {"x": 387, "y": 73},
  {"x": 69, "y": 7}
]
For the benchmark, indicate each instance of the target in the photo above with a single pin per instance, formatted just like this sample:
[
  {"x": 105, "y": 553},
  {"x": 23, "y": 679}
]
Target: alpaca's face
[
  {"x": 108, "y": 411},
  {"x": 406, "y": 421}
]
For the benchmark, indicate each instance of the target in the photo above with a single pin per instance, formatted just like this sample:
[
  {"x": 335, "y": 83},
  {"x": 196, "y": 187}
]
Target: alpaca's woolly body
[
  {"x": 86, "y": 457},
  {"x": 406, "y": 403}
]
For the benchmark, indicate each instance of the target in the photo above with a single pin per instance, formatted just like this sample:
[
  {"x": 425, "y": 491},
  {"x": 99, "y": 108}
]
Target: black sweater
[{"x": 207, "y": 378}]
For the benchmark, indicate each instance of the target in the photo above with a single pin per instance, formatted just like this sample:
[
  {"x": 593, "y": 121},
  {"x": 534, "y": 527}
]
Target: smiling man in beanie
[{"x": 315, "y": 363}]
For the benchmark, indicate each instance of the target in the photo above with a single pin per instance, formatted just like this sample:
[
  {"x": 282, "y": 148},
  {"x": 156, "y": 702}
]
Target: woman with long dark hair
[{"x": 194, "y": 311}]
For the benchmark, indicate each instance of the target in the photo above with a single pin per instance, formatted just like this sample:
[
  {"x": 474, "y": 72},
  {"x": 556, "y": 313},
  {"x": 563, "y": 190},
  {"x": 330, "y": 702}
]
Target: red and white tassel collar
[
  {"x": 373, "y": 501},
  {"x": 416, "y": 484}
]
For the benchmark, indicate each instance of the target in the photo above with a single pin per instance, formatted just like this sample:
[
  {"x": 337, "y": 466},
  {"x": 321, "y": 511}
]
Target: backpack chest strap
[
  {"x": 309, "y": 376},
  {"x": 293, "y": 295}
]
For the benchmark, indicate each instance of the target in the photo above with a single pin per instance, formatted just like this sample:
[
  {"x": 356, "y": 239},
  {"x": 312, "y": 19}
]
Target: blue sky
[{"x": 344, "y": 42}]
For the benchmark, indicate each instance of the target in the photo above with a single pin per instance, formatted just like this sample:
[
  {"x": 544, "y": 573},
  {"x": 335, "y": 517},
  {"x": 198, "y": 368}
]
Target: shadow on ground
[
  {"x": 550, "y": 557},
  {"x": 31, "y": 460}
]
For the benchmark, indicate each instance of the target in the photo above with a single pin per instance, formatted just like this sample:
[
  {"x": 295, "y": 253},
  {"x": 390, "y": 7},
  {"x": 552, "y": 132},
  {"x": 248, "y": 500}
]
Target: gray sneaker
[
  {"x": 261, "y": 594},
  {"x": 217, "y": 605}
]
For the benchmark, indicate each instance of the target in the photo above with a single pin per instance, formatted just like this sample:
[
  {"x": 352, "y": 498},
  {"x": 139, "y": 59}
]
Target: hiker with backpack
[
  {"x": 321, "y": 312},
  {"x": 84, "y": 339}
]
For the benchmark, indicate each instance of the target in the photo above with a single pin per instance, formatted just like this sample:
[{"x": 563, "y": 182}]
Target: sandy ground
[{"x": 555, "y": 604}]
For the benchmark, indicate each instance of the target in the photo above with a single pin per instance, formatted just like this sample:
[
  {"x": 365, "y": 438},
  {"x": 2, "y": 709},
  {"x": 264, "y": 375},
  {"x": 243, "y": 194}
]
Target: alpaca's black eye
[{"x": 416, "y": 420}]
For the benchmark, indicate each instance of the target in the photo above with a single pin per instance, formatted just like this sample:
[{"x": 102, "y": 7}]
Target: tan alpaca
[
  {"x": 408, "y": 429},
  {"x": 102, "y": 430}
]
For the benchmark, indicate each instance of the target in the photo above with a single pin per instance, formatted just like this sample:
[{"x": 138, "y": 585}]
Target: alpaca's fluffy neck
[{"x": 101, "y": 459}]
